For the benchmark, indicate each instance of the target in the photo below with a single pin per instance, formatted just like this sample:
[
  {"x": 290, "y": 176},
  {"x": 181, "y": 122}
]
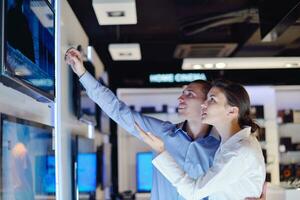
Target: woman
[{"x": 238, "y": 169}]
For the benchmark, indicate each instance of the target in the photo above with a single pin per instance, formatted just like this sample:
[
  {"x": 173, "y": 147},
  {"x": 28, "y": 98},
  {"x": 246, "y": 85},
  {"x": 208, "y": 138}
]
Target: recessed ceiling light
[
  {"x": 115, "y": 13},
  {"x": 208, "y": 65},
  {"x": 220, "y": 65},
  {"x": 197, "y": 66},
  {"x": 288, "y": 65}
]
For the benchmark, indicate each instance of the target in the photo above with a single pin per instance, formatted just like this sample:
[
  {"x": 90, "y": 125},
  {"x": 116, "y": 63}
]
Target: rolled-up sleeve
[
  {"x": 119, "y": 111},
  {"x": 218, "y": 179}
]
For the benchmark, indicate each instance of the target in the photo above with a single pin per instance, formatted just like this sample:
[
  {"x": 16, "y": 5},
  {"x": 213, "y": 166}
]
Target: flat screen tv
[
  {"x": 86, "y": 172},
  {"x": 85, "y": 166},
  {"x": 144, "y": 171},
  {"x": 45, "y": 174},
  {"x": 25, "y": 147},
  {"x": 28, "y": 47}
]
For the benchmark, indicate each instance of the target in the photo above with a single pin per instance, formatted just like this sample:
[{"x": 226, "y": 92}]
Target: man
[{"x": 191, "y": 143}]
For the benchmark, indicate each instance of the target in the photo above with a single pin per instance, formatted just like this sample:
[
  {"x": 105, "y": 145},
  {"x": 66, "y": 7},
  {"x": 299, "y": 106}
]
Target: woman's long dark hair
[{"x": 237, "y": 96}]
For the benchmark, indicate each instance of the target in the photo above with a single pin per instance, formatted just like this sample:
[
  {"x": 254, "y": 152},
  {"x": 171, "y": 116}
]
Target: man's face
[{"x": 190, "y": 101}]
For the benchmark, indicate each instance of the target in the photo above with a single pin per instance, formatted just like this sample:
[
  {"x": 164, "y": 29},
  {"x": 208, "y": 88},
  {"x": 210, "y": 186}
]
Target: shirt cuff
[
  {"x": 164, "y": 162},
  {"x": 88, "y": 81}
]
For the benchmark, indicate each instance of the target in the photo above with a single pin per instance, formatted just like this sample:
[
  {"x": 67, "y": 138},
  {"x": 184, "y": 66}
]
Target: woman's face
[{"x": 215, "y": 109}]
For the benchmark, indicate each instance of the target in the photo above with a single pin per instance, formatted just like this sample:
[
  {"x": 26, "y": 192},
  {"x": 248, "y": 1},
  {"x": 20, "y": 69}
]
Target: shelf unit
[{"x": 287, "y": 97}]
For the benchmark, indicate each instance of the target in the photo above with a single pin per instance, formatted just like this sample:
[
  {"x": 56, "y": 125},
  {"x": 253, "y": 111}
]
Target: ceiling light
[
  {"x": 289, "y": 65},
  {"x": 220, "y": 65},
  {"x": 243, "y": 63},
  {"x": 208, "y": 65},
  {"x": 115, "y": 12},
  {"x": 197, "y": 66},
  {"x": 125, "y": 51}
]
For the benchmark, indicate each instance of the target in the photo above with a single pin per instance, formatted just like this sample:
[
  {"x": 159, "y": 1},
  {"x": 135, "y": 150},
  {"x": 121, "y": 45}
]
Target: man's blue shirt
[{"x": 195, "y": 157}]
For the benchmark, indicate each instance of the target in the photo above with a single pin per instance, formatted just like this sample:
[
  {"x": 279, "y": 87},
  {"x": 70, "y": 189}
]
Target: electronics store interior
[{"x": 68, "y": 134}]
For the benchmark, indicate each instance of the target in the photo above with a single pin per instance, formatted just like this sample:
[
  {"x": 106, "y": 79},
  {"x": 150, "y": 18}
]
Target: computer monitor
[
  {"x": 144, "y": 171},
  {"x": 22, "y": 141}
]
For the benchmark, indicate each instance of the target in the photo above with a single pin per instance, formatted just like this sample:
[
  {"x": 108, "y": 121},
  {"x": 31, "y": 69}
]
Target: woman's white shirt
[{"x": 238, "y": 171}]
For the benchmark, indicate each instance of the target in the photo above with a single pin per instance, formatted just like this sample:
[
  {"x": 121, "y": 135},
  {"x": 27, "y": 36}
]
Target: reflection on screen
[
  {"x": 86, "y": 172},
  {"x": 21, "y": 171},
  {"x": 29, "y": 34},
  {"x": 144, "y": 171}
]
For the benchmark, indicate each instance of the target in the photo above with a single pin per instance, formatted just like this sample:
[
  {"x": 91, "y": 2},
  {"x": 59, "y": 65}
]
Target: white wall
[
  {"x": 20, "y": 105},
  {"x": 69, "y": 33}
]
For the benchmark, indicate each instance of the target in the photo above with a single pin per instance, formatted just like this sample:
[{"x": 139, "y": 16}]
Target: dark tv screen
[
  {"x": 144, "y": 171},
  {"x": 25, "y": 146},
  {"x": 28, "y": 62}
]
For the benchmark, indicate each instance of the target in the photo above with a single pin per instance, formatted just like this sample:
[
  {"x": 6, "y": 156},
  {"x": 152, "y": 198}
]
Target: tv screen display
[
  {"x": 23, "y": 141},
  {"x": 86, "y": 172},
  {"x": 28, "y": 62},
  {"x": 45, "y": 174},
  {"x": 144, "y": 171}
]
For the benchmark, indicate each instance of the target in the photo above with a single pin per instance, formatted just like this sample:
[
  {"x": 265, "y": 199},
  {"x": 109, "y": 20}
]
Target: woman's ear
[{"x": 233, "y": 111}]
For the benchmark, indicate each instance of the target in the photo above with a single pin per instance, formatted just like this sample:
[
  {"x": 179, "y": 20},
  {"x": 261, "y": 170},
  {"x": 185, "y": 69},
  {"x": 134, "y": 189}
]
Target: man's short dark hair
[{"x": 206, "y": 86}]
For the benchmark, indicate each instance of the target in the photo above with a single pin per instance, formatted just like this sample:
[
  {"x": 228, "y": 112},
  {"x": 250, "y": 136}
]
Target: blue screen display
[
  {"x": 29, "y": 43},
  {"x": 144, "y": 171},
  {"x": 86, "y": 172},
  {"x": 45, "y": 174},
  {"x": 28, "y": 167}
]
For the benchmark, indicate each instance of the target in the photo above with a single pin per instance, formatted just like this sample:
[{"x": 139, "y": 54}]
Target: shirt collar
[
  {"x": 213, "y": 132},
  {"x": 242, "y": 134}
]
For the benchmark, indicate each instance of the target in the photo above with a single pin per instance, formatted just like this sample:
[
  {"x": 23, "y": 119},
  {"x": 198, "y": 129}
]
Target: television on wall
[
  {"x": 86, "y": 172},
  {"x": 85, "y": 165},
  {"x": 144, "y": 171},
  {"x": 45, "y": 174},
  {"x": 27, "y": 159},
  {"x": 28, "y": 47}
]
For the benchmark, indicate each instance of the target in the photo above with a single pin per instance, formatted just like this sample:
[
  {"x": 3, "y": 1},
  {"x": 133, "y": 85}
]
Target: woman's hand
[
  {"x": 154, "y": 142},
  {"x": 74, "y": 59}
]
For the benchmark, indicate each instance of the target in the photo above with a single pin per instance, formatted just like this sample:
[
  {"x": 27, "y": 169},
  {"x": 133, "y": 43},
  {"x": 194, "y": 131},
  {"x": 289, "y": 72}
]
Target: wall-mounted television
[
  {"x": 45, "y": 174},
  {"x": 86, "y": 172},
  {"x": 85, "y": 165},
  {"x": 28, "y": 47},
  {"x": 144, "y": 171},
  {"x": 22, "y": 142}
]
